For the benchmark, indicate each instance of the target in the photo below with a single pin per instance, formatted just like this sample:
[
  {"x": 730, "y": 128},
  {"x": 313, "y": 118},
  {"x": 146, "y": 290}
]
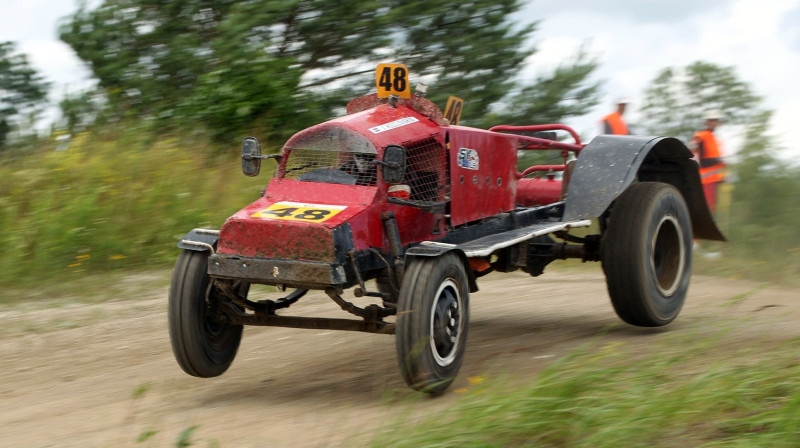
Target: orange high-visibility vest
[
  {"x": 615, "y": 124},
  {"x": 709, "y": 157}
]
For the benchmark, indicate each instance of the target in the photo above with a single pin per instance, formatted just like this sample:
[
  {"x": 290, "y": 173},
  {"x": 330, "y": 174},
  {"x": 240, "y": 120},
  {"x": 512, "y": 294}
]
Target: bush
[{"x": 111, "y": 203}]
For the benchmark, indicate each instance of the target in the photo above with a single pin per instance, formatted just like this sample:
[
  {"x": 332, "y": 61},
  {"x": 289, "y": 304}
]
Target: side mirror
[
  {"x": 251, "y": 156},
  {"x": 393, "y": 165}
]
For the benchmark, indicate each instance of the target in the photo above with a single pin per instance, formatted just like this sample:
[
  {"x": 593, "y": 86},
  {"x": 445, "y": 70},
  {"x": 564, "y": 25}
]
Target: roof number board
[{"x": 392, "y": 79}]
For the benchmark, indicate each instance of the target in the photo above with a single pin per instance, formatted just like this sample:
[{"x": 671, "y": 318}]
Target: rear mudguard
[{"x": 611, "y": 163}]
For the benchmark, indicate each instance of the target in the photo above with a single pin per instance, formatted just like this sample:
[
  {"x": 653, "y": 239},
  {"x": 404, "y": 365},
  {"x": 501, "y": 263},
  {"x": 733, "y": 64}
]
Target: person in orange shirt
[
  {"x": 613, "y": 123},
  {"x": 709, "y": 155}
]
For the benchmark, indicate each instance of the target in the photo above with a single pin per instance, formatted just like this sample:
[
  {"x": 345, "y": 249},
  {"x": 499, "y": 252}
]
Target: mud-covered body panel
[{"x": 292, "y": 273}]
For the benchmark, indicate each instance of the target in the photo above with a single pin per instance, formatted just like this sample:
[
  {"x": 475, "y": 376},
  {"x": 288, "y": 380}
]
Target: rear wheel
[
  {"x": 432, "y": 318},
  {"x": 202, "y": 345},
  {"x": 647, "y": 254}
]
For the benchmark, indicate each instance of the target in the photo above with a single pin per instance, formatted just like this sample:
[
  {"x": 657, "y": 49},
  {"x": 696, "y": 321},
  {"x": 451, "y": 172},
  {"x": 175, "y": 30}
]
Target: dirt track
[{"x": 103, "y": 374}]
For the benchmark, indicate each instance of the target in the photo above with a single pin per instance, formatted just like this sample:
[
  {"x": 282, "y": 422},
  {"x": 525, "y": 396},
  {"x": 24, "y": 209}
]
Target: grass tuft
[{"x": 605, "y": 397}]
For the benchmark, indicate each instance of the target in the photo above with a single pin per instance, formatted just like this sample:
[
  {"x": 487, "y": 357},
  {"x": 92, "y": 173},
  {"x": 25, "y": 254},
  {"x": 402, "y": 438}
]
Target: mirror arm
[{"x": 277, "y": 157}]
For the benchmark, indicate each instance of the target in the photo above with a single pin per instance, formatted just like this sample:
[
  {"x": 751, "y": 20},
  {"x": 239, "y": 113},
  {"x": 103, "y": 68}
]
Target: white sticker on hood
[{"x": 393, "y": 125}]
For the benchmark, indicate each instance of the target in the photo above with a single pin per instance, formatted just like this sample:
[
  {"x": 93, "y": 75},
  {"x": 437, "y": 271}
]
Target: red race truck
[{"x": 393, "y": 192}]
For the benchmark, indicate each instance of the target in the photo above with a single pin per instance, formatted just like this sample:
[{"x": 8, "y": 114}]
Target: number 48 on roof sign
[{"x": 392, "y": 79}]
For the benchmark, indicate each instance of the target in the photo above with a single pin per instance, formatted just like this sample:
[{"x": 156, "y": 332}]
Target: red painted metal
[
  {"x": 545, "y": 143},
  {"x": 538, "y": 191},
  {"x": 543, "y": 168},
  {"x": 294, "y": 190},
  {"x": 269, "y": 237},
  {"x": 478, "y": 166},
  {"x": 486, "y": 185}
]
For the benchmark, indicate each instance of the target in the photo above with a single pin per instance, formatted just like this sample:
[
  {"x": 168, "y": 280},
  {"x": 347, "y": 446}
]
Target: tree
[
  {"x": 79, "y": 110},
  {"x": 21, "y": 88},
  {"x": 467, "y": 49},
  {"x": 284, "y": 64},
  {"x": 766, "y": 187},
  {"x": 761, "y": 221},
  {"x": 565, "y": 92},
  {"x": 677, "y": 98},
  {"x": 146, "y": 54},
  {"x": 763, "y": 218}
]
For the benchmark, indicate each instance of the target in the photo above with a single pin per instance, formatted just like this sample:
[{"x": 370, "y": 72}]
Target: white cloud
[
  {"x": 32, "y": 25},
  {"x": 641, "y": 11},
  {"x": 631, "y": 39},
  {"x": 634, "y": 40},
  {"x": 24, "y": 20},
  {"x": 56, "y": 59},
  {"x": 788, "y": 28}
]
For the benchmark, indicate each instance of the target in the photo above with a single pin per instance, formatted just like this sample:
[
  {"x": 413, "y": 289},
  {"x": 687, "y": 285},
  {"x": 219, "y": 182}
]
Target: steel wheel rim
[
  {"x": 446, "y": 323},
  {"x": 667, "y": 255}
]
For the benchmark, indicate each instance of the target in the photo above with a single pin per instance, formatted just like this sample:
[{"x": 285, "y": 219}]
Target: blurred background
[{"x": 120, "y": 120}]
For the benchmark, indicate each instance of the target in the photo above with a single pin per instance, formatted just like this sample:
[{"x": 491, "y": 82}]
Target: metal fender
[
  {"x": 200, "y": 240},
  {"x": 611, "y": 163},
  {"x": 437, "y": 250}
]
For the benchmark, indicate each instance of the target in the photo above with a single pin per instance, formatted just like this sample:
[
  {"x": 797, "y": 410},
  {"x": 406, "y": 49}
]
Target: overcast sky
[{"x": 632, "y": 40}]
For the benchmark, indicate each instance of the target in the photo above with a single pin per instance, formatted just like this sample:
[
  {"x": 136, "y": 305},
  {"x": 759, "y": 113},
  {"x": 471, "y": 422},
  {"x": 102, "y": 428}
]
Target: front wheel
[
  {"x": 647, "y": 254},
  {"x": 432, "y": 318},
  {"x": 203, "y": 346}
]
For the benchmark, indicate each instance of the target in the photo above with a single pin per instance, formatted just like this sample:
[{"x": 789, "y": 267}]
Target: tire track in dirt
[{"x": 103, "y": 374}]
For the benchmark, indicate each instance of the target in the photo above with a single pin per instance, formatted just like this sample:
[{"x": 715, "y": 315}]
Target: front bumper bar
[{"x": 292, "y": 273}]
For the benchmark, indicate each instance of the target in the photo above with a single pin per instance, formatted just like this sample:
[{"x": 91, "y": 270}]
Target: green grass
[
  {"x": 111, "y": 205},
  {"x": 119, "y": 200},
  {"x": 684, "y": 394}
]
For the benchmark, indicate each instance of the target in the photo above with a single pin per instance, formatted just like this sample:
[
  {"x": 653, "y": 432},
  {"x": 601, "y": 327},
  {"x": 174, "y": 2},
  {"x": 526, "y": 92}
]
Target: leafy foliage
[
  {"x": 565, "y": 92},
  {"x": 677, "y": 98},
  {"x": 267, "y": 65},
  {"x": 80, "y": 110},
  {"x": 756, "y": 209},
  {"x": 21, "y": 88},
  {"x": 467, "y": 49},
  {"x": 762, "y": 217}
]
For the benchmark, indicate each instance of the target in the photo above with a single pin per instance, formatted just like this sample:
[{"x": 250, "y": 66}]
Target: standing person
[
  {"x": 613, "y": 123},
  {"x": 708, "y": 152}
]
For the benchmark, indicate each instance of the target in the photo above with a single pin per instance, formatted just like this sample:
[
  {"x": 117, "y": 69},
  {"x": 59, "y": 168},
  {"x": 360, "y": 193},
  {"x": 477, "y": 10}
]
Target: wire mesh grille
[
  {"x": 331, "y": 154},
  {"x": 426, "y": 172},
  {"x": 311, "y": 165}
]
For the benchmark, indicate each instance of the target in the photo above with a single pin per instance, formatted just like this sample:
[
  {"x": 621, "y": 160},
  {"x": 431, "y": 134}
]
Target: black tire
[
  {"x": 647, "y": 254},
  {"x": 432, "y": 322},
  {"x": 202, "y": 346}
]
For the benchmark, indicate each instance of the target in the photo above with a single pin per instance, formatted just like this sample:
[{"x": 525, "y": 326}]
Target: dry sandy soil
[{"x": 103, "y": 374}]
